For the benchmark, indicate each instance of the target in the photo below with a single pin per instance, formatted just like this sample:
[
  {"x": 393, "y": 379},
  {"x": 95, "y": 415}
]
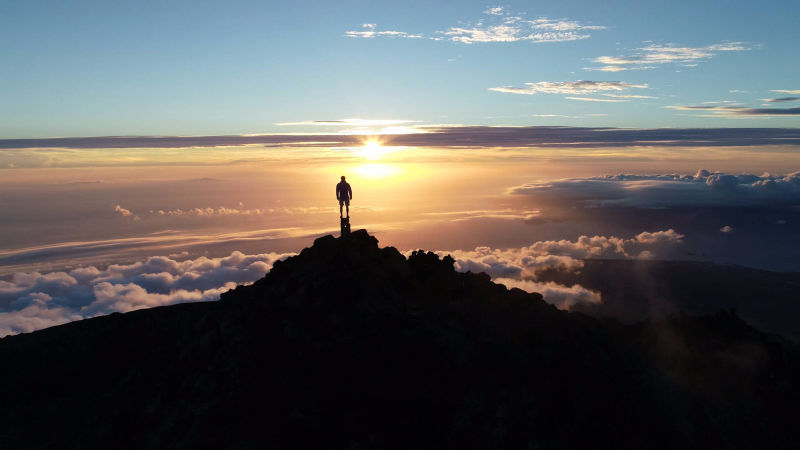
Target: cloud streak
[
  {"x": 515, "y": 29},
  {"x": 370, "y": 30},
  {"x": 737, "y": 111},
  {"x": 652, "y": 56},
  {"x": 568, "y": 87},
  {"x": 448, "y": 136},
  {"x": 594, "y": 99},
  {"x": 782, "y": 99},
  {"x": 498, "y": 25},
  {"x": 703, "y": 189}
]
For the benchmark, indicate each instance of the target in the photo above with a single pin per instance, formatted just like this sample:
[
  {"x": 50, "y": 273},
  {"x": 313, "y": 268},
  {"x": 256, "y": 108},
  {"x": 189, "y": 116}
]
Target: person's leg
[
  {"x": 347, "y": 205},
  {"x": 340, "y": 208}
]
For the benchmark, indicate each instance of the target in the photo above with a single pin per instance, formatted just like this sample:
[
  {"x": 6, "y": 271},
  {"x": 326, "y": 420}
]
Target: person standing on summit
[{"x": 344, "y": 194}]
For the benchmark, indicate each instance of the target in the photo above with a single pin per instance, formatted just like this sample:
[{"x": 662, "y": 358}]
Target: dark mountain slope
[
  {"x": 636, "y": 289},
  {"x": 351, "y": 346}
]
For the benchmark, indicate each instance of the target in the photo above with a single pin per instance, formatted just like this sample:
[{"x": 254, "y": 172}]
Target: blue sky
[{"x": 209, "y": 68}]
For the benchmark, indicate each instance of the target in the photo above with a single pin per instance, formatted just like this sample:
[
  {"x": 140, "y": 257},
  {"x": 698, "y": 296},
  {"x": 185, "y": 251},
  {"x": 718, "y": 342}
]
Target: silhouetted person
[{"x": 344, "y": 194}]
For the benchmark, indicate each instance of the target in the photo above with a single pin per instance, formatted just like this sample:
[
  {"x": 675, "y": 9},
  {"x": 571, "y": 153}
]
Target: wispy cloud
[
  {"x": 703, "y": 189},
  {"x": 520, "y": 267},
  {"x": 447, "y": 136},
  {"x": 125, "y": 212},
  {"x": 781, "y": 99},
  {"x": 515, "y": 28},
  {"x": 568, "y": 87},
  {"x": 496, "y": 11},
  {"x": 651, "y": 56},
  {"x": 628, "y": 96},
  {"x": 354, "y": 122},
  {"x": 737, "y": 111},
  {"x": 786, "y": 91},
  {"x": 497, "y": 25},
  {"x": 594, "y": 99},
  {"x": 370, "y": 30}
]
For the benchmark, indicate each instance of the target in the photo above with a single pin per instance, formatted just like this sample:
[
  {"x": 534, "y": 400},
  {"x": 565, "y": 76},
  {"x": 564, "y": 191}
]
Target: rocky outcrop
[{"x": 349, "y": 345}]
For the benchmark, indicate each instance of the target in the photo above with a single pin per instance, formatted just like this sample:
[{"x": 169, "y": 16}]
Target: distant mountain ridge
[
  {"x": 641, "y": 289},
  {"x": 349, "y": 345}
]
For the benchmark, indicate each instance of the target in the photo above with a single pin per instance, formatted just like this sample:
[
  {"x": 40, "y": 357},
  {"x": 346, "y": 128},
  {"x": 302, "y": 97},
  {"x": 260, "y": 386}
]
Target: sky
[
  {"x": 157, "y": 153},
  {"x": 210, "y": 68}
]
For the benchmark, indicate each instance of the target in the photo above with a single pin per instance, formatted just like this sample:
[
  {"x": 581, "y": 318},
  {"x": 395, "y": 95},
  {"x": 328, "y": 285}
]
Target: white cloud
[
  {"x": 498, "y": 25},
  {"x": 509, "y": 214},
  {"x": 736, "y": 111},
  {"x": 651, "y": 56},
  {"x": 726, "y": 229},
  {"x": 520, "y": 267},
  {"x": 199, "y": 212},
  {"x": 569, "y": 87},
  {"x": 617, "y": 68},
  {"x": 786, "y": 91},
  {"x": 564, "y": 297},
  {"x": 32, "y": 300},
  {"x": 628, "y": 96},
  {"x": 514, "y": 29},
  {"x": 369, "y": 31},
  {"x": 781, "y": 99},
  {"x": 670, "y": 190},
  {"x": 353, "y": 122},
  {"x": 226, "y": 211},
  {"x": 593, "y": 99},
  {"x": 125, "y": 212}
]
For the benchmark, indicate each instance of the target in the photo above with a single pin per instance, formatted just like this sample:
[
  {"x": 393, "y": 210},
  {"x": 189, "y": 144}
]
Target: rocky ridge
[{"x": 349, "y": 345}]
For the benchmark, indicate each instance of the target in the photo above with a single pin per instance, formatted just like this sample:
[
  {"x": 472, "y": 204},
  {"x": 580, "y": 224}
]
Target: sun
[{"x": 372, "y": 150}]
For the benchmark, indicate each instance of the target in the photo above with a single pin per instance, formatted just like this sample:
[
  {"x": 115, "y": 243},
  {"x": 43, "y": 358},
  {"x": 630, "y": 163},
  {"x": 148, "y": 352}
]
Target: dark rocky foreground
[{"x": 351, "y": 346}]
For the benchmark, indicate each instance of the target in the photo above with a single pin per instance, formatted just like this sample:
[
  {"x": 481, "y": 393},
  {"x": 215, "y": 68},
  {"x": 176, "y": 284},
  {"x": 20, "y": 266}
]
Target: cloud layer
[
  {"x": 446, "y": 136},
  {"x": 740, "y": 111},
  {"x": 514, "y": 28},
  {"x": 520, "y": 267},
  {"x": 671, "y": 190},
  {"x": 568, "y": 87},
  {"x": 33, "y": 300},
  {"x": 370, "y": 30},
  {"x": 498, "y": 25},
  {"x": 651, "y": 56}
]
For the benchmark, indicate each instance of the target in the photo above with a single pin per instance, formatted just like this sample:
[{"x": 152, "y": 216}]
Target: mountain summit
[{"x": 349, "y": 345}]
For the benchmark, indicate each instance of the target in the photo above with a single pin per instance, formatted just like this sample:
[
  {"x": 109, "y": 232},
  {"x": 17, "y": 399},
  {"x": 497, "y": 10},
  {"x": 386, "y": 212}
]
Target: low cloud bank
[
  {"x": 656, "y": 191},
  {"x": 33, "y": 300},
  {"x": 448, "y": 136},
  {"x": 520, "y": 267}
]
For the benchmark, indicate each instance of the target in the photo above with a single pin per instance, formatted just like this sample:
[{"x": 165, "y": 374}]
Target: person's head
[{"x": 342, "y": 177}]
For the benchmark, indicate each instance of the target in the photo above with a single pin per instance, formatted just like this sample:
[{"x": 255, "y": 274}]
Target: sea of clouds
[
  {"x": 704, "y": 188},
  {"x": 32, "y": 300}
]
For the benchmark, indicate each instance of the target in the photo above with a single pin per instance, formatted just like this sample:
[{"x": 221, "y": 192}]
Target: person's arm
[
  {"x": 350, "y": 191},
  {"x": 337, "y": 192}
]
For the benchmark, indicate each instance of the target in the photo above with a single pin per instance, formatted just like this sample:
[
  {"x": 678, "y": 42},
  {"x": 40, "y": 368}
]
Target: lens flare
[{"x": 372, "y": 150}]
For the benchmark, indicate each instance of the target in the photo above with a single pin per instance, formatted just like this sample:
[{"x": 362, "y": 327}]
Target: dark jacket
[{"x": 343, "y": 191}]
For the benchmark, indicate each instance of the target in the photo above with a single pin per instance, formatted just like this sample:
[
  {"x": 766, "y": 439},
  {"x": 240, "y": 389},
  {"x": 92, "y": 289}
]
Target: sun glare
[
  {"x": 372, "y": 150},
  {"x": 373, "y": 170}
]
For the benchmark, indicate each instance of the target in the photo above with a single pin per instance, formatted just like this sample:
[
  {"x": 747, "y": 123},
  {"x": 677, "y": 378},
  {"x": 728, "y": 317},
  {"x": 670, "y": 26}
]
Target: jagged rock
[{"x": 348, "y": 345}]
